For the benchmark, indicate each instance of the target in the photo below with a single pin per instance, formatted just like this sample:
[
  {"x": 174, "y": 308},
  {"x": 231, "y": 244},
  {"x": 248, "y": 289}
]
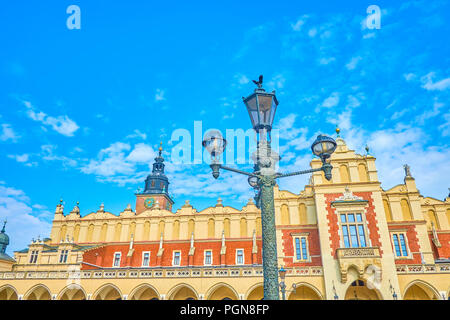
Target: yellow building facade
[{"x": 341, "y": 239}]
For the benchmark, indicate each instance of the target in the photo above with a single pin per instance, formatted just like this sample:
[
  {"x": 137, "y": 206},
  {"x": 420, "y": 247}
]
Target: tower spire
[{"x": 4, "y": 224}]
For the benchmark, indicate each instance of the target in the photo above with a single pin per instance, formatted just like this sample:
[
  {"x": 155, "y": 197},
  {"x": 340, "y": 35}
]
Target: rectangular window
[
  {"x": 305, "y": 254},
  {"x": 240, "y": 256},
  {"x": 63, "y": 256},
  {"x": 208, "y": 258},
  {"x": 301, "y": 248},
  {"x": 145, "y": 259},
  {"x": 298, "y": 251},
  {"x": 116, "y": 262},
  {"x": 400, "y": 245},
  {"x": 403, "y": 245},
  {"x": 176, "y": 258},
  {"x": 34, "y": 256},
  {"x": 353, "y": 230}
]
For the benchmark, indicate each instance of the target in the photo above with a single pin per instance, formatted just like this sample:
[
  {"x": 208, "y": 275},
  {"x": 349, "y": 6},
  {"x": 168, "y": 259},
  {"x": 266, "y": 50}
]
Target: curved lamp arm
[
  {"x": 282, "y": 175},
  {"x": 216, "y": 166}
]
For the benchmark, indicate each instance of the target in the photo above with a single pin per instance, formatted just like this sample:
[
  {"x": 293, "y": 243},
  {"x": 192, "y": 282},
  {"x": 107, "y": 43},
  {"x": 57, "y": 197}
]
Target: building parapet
[
  {"x": 423, "y": 268},
  {"x": 133, "y": 273}
]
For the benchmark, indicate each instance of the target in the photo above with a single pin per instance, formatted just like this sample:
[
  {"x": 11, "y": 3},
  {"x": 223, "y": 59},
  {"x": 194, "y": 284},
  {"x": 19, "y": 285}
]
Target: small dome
[{"x": 4, "y": 239}]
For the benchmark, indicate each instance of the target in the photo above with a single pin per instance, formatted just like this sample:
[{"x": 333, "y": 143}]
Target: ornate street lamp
[{"x": 261, "y": 107}]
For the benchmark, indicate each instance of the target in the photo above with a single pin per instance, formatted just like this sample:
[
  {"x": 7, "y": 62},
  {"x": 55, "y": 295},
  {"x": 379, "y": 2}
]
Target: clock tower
[{"x": 156, "y": 191}]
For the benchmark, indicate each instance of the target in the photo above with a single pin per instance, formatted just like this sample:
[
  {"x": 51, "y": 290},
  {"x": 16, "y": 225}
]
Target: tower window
[
  {"x": 63, "y": 256},
  {"x": 34, "y": 256}
]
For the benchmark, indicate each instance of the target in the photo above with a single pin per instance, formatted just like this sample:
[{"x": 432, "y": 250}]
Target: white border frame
[
  {"x": 405, "y": 233},
  {"x": 243, "y": 257},
  {"x": 295, "y": 260},
  {"x": 142, "y": 262},
  {"x": 204, "y": 257},
  {"x": 114, "y": 259},
  {"x": 173, "y": 258}
]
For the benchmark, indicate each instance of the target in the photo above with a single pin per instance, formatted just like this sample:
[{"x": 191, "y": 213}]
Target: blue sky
[{"x": 82, "y": 111}]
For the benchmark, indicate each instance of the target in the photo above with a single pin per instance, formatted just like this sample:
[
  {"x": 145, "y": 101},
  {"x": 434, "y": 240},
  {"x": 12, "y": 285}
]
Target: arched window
[
  {"x": 103, "y": 232},
  {"x": 62, "y": 233},
  {"x": 176, "y": 230},
  {"x": 387, "y": 210},
  {"x": 211, "y": 228},
  {"x": 303, "y": 219},
  {"x": 191, "y": 228},
  {"x": 161, "y": 228},
  {"x": 448, "y": 216},
  {"x": 76, "y": 232},
  {"x": 362, "y": 171},
  {"x": 258, "y": 227},
  {"x": 226, "y": 227},
  {"x": 132, "y": 231},
  {"x": 345, "y": 175},
  {"x": 146, "y": 230},
  {"x": 406, "y": 210},
  {"x": 90, "y": 233},
  {"x": 243, "y": 228},
  {"x": 285, "y": 219},
  {"x": 118, "y": 232},
  {"x": 431, "y": 218}
]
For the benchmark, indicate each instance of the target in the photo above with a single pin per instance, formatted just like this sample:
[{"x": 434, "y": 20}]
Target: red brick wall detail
[
  {"x": 289, "y": 250},
  {"x": 444, "y": 251},
  {"x": 104, "y": 256},
  {"x": 333, "y": 224},
  {"x": 413, "y": 243}
]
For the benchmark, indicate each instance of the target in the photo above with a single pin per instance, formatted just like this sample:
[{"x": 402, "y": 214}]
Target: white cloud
[
  {"x": 137, "y": 134},
  {"x": 428, "y": 84},
  {"x": 242, "y": 79},
  {"x": 61, "y": 124},
  {"x": 141, "y": 153},
  {"x": 48, "y": 154},
  {"x": 19, "y": 158},
  {"x": 121, "y": 164},
  {"x": 409, "y": 76},
  {"x": 8, "y": 133},
  {"x": 325, "y": 61},
  {"x": 297, "y": 26},
  {"x": 351, "y": 65},
  {"x": 277, "y": 82},
  {"x": 331, "y": 101},
  {"x": 159, "y": 95},
  {"x": 430, "y": 113},
  {"x": 25, "y": 221},
  {"x": 445, "y": 127},
  {"x": 312, "y": 32}
]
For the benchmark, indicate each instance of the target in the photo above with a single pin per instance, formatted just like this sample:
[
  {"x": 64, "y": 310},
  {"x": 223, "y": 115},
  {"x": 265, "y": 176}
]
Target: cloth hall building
[{"x": 341, "y": 239}]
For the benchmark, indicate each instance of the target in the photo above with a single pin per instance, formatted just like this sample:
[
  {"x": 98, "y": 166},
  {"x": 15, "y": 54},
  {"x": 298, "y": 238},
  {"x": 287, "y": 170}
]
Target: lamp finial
[
  {"x": 338, "y": 130},
  {"x": 259, "y": 82}
]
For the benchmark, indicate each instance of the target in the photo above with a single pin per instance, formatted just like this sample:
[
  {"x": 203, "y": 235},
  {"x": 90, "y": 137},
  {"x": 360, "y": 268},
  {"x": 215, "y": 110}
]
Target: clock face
[{"x": 149, "y": 202}]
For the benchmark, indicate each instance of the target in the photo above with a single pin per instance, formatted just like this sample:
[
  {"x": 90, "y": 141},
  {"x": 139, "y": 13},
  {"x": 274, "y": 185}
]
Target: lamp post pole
[{"x": 261, "y": 107}]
